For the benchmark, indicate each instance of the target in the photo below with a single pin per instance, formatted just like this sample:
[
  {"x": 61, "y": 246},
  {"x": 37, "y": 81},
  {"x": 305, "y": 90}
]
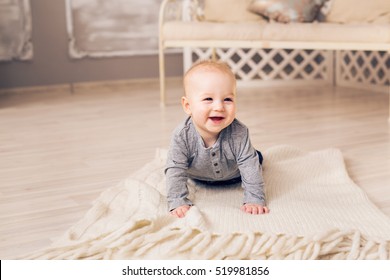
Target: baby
[{"x": 212, "y": 146}]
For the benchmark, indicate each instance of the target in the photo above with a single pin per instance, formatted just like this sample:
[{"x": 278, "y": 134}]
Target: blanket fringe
[{"x": 143, "y": 239}]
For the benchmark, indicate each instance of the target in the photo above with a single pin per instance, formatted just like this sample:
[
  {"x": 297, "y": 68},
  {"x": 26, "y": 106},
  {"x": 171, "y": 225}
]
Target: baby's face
[{"x": 210, "y": 100}]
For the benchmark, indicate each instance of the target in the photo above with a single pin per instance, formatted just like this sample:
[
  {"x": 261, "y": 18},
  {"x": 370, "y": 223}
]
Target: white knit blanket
[{"x": 317, "y": 212}]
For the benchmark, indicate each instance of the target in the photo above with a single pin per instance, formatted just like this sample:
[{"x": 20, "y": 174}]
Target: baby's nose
[{"x": 218, "y": 105}]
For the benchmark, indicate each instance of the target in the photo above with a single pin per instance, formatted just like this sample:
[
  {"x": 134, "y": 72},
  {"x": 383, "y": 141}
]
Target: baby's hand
[
  {"x": 255, "y": 209},
  {"x": 180, "y": 211}
]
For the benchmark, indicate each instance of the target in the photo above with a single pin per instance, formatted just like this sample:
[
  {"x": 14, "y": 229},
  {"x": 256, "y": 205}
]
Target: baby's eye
[
  {"x": 229, "y": 99},
  {"x": 208, "y": 99}
]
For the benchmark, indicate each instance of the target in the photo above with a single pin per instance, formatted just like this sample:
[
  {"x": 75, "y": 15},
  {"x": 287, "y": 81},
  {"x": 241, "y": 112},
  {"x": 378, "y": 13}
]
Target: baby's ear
[{"x": 186, "y": 105}]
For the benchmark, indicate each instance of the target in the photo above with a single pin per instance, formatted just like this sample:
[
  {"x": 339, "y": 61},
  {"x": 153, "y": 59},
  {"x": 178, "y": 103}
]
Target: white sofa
[{"x": 208, "y": 24}]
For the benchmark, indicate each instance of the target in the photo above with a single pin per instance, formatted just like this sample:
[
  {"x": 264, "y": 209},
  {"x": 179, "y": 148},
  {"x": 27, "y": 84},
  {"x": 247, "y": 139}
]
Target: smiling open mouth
[{"x": 216, "y": 118}]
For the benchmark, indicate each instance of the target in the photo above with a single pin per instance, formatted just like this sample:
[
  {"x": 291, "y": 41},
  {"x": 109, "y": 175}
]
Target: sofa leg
[
  {"x": 389, "y": 110},
  {"x": 213, "y": 54},
  {"x": 162, "y": 75}
]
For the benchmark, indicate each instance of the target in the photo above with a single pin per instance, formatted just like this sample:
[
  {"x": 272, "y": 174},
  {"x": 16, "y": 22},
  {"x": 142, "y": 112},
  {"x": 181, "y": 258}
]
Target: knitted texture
[{"x": 316, "y": 212}]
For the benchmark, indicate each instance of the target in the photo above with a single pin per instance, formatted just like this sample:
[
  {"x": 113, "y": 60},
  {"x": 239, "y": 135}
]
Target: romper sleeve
[
  {"x": 176, "y": 171},
  {"x": 250, "y": 168}
]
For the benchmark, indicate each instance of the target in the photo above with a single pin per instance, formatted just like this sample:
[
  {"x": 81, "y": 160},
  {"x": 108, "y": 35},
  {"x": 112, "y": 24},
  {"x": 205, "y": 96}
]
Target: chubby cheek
[
  {"x": 201, "y": 111},
  {"x": 231, "y": 111}
]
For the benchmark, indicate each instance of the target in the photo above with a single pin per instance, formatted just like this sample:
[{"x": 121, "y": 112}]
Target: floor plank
[{"x": 61, "y": 147}]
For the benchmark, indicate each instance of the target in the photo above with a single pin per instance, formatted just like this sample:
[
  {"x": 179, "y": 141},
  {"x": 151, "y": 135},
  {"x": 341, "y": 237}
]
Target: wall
[{"x": 52, "y": 65}]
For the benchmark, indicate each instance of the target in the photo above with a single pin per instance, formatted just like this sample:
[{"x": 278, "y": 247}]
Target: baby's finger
[
  {"x": 255, "y": 210},
  {"x": 177, "y": 213},
  {"x": 173, "y": 213},
  {"x": 180, "y": 213},
  {"x": 248, "y": 209}
]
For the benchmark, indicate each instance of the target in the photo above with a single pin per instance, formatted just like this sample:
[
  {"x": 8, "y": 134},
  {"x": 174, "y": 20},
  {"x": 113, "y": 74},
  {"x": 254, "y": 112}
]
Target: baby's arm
[
  {"x": 176, "y": 177},
  {"x": 254, "y": 209},
  {"x": 252, "y": 175},
  {"x": 180, "y": 211}
]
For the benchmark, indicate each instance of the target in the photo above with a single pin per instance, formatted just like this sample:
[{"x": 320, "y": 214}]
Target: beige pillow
[
  {"x": 354, "y": 11},
  {"x": 287, "y": 10},
  {"x": 228, "y": 10}
]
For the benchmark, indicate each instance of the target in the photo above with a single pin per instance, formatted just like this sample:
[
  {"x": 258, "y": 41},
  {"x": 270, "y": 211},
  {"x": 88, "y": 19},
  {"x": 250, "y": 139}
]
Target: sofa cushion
[
  {"x": 287, "y": 10},
  {"x": 359, "y": 11},
  {"x": 179, "y": 30},
  {"x": 327, "y": 32},
  {"x": 305, "y": 32},
  {"x": 228, "y": 10}
]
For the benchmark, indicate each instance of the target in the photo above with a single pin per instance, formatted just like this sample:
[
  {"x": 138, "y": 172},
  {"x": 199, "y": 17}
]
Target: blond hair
[{"x": 210, "y": 65}]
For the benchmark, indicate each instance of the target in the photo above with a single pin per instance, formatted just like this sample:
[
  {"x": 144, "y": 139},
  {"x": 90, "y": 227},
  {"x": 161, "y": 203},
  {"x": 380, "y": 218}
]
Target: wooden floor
[{"x": 60, "y": 147}]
